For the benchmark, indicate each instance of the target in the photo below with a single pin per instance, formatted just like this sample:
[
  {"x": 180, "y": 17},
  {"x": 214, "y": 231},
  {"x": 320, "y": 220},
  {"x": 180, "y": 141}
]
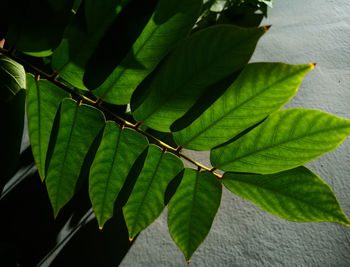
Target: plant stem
[{"x": 53, "y": 78}]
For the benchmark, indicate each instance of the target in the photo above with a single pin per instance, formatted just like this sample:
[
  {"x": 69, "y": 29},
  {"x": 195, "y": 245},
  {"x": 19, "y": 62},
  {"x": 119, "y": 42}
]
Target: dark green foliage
[{"x": 165, "y": 74}]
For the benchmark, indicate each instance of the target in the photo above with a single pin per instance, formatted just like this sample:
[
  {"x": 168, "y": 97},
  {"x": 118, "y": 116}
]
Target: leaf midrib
[
  {"x": 175, "y": 92},
  {"x": 39, "y": 131},
  {"x": 238, "y": 106},
  {"x": 192, "y": 212},
  {"x": 109, "y": 176},
  {"x": 279, "y": 193},
  {"x": 147, "y": 191},
  {"x": 65, "y": 155},
  {"x": 125, "y": 68},
  {"x": 281, "y": 143}
]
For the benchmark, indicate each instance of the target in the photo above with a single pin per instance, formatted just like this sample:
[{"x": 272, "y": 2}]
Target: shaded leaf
[
  {"x": 171, "y": 21},
  {"x": 205, "y": 58},
  {"x": 12, "y": 78},
  {"x": 192, "y": 209},
  {"x": 43, "y": 101},
  {"x": 147, "y": 197},
  {"x": 116, "y": 155},
  {"x": 285, "y": 140},
  {"x": 12, "y": 97},
  {"x": 96, "y": 24},
  {"x": 296, "y": 195},
  {"x": 36, "y": 26},
  {"x": 78, "y": 127},
  {"x": 260, "y": 89}
]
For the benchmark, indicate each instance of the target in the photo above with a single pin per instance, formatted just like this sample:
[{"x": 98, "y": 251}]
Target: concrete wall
[{"x": 242, "y": 234}]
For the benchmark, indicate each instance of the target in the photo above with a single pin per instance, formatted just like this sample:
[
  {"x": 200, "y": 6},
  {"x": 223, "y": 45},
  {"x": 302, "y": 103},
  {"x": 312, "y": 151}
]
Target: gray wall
[{"x": 242, "y": 234}]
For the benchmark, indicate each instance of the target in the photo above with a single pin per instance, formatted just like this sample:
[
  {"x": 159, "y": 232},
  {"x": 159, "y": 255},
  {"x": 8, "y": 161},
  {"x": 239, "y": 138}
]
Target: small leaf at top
[
  {"x": 202, "y": 60},
  {"x": 297, "y": 195},
  {"x": 43, "y": 101},
  {"x": 192, "y": 210},
  {"x": 146, "y": 201},
  {"x": 259, "y": 90},
  {"x": 78, "y": 127},
  {"x": 171, "y": 21},
  {"x": 285, "y": 140},
  {"x": 114, "y": 158}
]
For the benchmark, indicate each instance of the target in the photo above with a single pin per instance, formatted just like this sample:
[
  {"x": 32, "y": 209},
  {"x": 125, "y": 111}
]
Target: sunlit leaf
[
  {"x": 287, "y": 139},
  {"x": 147, "y": 198},
  {"x": 78, "y": 127},
  {"x": 43, "y": 100},
  {"x": 205, "y": 58},
  {"x": 192, "y": 210},
  {"x": 116, "y": 155},
  {"x": 259, "y": 90},
  {"x": 296, "y": 195}
]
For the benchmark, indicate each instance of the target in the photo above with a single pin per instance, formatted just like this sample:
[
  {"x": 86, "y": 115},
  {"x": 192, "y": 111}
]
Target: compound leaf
[
  {"x": 192, "y": 209},
  {"x": 114, "y": 158},
  {"x": 285, "y": 140},
  {"x": 171, "y": 20},
  {"x": 43, "y": 101},
  {"x": 202, "y": 60},
  {"x": 146, "y": 201},
  {"x": 260, "y": 89},
  {"x": 78, "y": 127},
  {"x": 297, "y": 195}
]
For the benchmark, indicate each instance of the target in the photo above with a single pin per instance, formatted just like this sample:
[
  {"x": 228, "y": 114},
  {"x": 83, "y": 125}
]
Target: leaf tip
[
  {"x": 313, "y": 65},
  {"x": 188, "y": 261},
  {"x": 267, "y": 27},
  {"x": 131, "y": 239},
  {"x": 100, "y": 228}
]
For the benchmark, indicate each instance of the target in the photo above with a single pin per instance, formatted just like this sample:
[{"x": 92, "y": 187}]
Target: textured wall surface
[{"x": 242, "y": 234}]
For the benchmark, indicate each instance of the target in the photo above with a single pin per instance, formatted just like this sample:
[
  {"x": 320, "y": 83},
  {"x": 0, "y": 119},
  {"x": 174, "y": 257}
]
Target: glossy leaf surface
[
  {"x": 192, "y": 210},
  {"x": 205, "y": 58},
  {"x": 115, "y": 156},
  {"x": 43, "y": 100},
  {"x": 147, "y": 198},
  {"x": 171, "y": 21},
  {"x": 260, "y": 89},
  {"x": 78, "y": 127},
  {"x": 285, "y": 140},
  {"x": 296, "y": 195}
]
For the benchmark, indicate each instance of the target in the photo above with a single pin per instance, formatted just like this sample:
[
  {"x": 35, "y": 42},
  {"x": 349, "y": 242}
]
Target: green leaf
[
  {"x": 297, "y": 195},
  {"x": 260, "y": 89},
  {"x": 192, "y": 210},
  {"x": 146, "y": 201},
  {"x": 97, "y": 39},
  {"x": 115, "y": 156},
  {"x": 82, "y": 37},
  {"x": 12, "y": 78},
  {"x": 171, "y": 21},
  {"x": 78, "y": 127},
  {"x": 287, "y": 139},
  {"x": 36, "y": 26},
  {"x": 43, "y": 101},
  {"x": 202, "y": 60}
]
